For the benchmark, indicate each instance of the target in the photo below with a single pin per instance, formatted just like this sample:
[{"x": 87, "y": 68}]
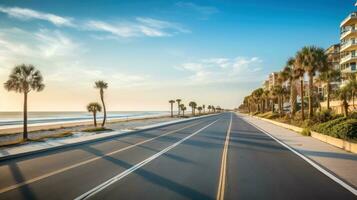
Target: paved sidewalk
[{"x": 341, "y": 163}]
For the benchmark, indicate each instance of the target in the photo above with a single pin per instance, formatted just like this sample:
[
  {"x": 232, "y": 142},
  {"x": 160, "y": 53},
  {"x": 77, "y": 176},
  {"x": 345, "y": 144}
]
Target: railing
[
  {"x": 347, "y": 32},
  {"x": 347, "y": 44},
  {"x": 348, "y": 57},
  {"x": 352, "y": 15}
]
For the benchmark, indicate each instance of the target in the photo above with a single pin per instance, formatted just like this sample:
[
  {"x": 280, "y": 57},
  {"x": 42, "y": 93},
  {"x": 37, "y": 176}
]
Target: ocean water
[{"x": 15, "y": 118}]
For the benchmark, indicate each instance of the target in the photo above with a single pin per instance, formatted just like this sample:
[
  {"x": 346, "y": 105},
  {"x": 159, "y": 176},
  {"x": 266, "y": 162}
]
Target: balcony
[
  {"x": 349, "y": 69},
  {"x": 348, "y": 58},
  {"x": 349, "y": 19},
  {"x": 349, "y": 45},
  {"x": 348, "y": 32}
]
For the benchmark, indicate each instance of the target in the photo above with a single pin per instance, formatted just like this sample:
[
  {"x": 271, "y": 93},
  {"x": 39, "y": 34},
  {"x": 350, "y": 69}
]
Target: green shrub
[
  {"x": 353, "y": 115},
  {"x": 346, "y": 129},
  {"x": 324, "y": 116},
  {"x": 306, "y": 132},
  {"x": 342, "y": 127}
]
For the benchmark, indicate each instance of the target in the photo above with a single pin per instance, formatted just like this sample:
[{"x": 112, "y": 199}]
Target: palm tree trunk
[
  {"x": 95, "y": 118},
  {"x": 104, "y": 109},
  {"x": 25, "y": 134},
  {"x": 328, "y": 94},
  {"x": 293, "y": 98},
  {"x": 183, "y": 113},
  {"x": 353, "y": 98},
  {"x": 302, "y": 99},
  {"x": 311, "y": 88},
  {"x": 172, "y": 110},
  {"x": 345, "y": 107},
  {"x": 178, "y": 109}
]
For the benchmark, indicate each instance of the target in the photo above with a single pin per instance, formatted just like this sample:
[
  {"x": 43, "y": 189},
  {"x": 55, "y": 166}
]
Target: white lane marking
[
  {"x": 222, "y": 177},
  {"x": 308, "y": 160},
  {"x": 89, "y": 161},
  {"x": 137, "y": 166}
]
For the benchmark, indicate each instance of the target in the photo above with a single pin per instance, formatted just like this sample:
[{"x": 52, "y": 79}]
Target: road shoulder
[{"x": 341, "y": 163}]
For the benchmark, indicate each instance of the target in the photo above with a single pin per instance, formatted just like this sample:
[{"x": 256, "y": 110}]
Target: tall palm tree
[
  {"x": 214, "y": 109},
  {"x": 199, "y": 108},
  {"x": 279, "y": 91},
  {"x": 289, "y": 75},
  {"x": 24, "y": 79},
  {"x": 300, "y": 72},
  {"x": 171, "y": 102},
  {"x": 329, "y": 74},
  {"x": 209, "y": 108},
  {"x": 311, "y": 59},
  {"x": 352, "y": 87},
  {"x": 193, "y": 106},
  {"x": 101, "y": 85},
  {"x": 257, "y": 96},
  {"x": 178, "y": 106},
  {"x": 183, "y": 108},
  {"x": 94, "y": 108},
  {"x": 265, "y": 99},
  {"x": 344, "y": 96}
]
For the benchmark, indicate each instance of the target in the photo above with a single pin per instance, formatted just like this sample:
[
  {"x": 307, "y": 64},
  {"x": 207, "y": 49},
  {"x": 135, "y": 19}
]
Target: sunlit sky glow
[{"x": 212, "y": 52}]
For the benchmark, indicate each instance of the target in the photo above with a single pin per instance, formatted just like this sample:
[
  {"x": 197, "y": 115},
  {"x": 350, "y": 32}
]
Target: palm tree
[
  {"x": 199, "y": 110},
  {"x": 279, "y": 91},
  {"x": 101, "y": 85},
  {"x": 204, "y": 108},
  {"x": 24, "y": 79},
  {"x": 299, "y": 72},
  {"x": 344, "y": 96},
  {"x": 327, "y": 75},
  {"x": 183, "y": 108},
  {"x": 172, "y": 107},
  {"x": 178, "y": 106},
  {"x": 352, "y": 87},
  {"x": 289, "y": 75},
  {"x": 311, "y": 59},
  {"x": 94, "y": 108},
  {"x": 209, "y": 108},
  {"x": 257, "y": 96},
  {"x": 193, "y": 106},
  {"x": 214, "y": 109}
]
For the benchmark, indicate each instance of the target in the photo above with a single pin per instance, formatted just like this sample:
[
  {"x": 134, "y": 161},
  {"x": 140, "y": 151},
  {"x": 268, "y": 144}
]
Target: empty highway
[{"x": 215, "y": 157}]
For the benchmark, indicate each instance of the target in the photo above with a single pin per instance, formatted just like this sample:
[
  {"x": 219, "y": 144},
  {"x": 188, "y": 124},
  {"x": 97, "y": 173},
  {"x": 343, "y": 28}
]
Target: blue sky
[{"x": 213, "y": 51}]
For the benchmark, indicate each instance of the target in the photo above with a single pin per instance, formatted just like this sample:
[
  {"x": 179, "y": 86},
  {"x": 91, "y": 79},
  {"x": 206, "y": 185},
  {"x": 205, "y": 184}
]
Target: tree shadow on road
[{"x": 154, "y": 178}]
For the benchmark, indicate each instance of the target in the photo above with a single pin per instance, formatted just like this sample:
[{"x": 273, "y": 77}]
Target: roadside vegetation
[
  {"x": 288, "y": 102},
  {"x": 181, "y": 108}
]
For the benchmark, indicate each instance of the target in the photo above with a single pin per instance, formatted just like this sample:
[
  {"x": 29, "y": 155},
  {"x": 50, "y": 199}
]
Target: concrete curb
[
  {"x": 343, "y": 144},
  {"x": 53, "y": 148}
]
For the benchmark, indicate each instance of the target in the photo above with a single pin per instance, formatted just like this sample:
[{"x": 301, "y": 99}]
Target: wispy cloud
[
  {"x": 220, "y": 70},
  {"x": 139, "y": 27},
  {"x": 205, "y": 10},
  {"x": 27, "y": 14}
]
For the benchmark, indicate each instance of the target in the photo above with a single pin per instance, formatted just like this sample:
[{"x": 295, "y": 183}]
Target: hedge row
[{"x": 344, "y": 128}]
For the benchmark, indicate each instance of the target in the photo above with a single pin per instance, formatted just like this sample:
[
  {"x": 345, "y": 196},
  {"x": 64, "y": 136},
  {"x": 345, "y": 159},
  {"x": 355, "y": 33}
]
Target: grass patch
[
  {"x": 96, "y": 129},
  {"x": 58, "y": 135},
  {"x": 306, "y": 132}
]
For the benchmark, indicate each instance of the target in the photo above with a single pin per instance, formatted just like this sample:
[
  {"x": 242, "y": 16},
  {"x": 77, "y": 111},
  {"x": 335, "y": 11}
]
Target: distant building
[
  {"x": 266, "y": 85},
  {"x": 333, "y": 53},
  {"x": 348, "y": 47},
  {"x": 273, "y": 79}
]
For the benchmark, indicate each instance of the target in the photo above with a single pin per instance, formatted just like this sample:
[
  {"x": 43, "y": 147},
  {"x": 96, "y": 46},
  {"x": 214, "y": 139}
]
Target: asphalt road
[{"x": 217, "y": 157}]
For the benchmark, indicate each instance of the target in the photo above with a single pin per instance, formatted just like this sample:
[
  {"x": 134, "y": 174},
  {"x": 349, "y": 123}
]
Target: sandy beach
[{"x": 37, "y": 132}]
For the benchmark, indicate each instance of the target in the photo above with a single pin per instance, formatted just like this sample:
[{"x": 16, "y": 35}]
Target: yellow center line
[
  {"x": 90, "y": 160},
  {"x": 222, "y": 175}
]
